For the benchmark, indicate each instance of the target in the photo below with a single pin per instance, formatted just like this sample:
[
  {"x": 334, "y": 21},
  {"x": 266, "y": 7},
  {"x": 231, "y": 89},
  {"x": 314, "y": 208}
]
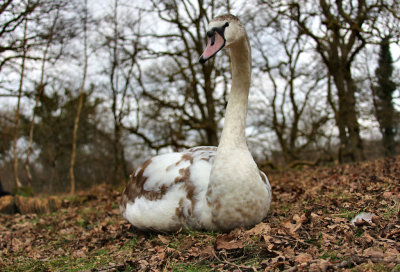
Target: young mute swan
[{"x": 206, "y": 187}]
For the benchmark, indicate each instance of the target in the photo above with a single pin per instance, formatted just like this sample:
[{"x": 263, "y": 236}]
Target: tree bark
[
  {"x": 80, "y": 103},
  {"x": 40, "y": 90},
  {"x": 351, "y": 147},
  {"x": 17, "y": 111},
  {"x": 338, "y": 49}
]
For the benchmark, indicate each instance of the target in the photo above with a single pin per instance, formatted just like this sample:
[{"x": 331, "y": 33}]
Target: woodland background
[{"x": 89, "y": 89}]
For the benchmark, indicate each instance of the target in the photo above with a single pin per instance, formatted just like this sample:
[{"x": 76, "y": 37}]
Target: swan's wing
[
  {"x": 264, "y": 178},
  {"x": 163, "y": 193}
]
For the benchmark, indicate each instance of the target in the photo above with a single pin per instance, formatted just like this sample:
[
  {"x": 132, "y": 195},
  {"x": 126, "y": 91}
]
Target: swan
[{"x": 206, "y": 187}]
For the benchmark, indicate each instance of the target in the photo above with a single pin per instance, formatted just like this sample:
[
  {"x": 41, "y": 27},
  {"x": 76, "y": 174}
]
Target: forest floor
[{"x": 308, "y": 229}]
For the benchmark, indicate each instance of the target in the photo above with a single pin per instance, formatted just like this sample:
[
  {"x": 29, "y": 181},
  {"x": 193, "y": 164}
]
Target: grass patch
[
  {"x": 378, "y": 267},
  {"x": 129, "y": 245},
  {"x": 349, "y": 215},
  {"x": 359, "y": 232},
  {"x": 389, "y": 214},
  {"x": 190, "y": 267},
  {"x": 27, "y": 265},
  {"x": 315, "y": 240},
  {"x": 330, "y": 255}
]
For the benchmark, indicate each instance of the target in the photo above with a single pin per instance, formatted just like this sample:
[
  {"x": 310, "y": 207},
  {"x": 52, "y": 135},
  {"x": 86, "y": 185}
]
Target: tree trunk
[
  {"x": 351, "y": 148},
  {"x": 40, "y": 90},
  {"x": 352, "y": 122},
  {"x": 80, "y": 103},
  {"x": 117, "y": 150},
  {"x": 212, "y": 127},
  {"x": 383, "y": 97},
  {"x": 17, "y": 111}
]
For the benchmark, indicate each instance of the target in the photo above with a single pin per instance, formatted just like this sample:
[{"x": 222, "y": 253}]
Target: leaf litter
[{"x": 339, "y": 218}]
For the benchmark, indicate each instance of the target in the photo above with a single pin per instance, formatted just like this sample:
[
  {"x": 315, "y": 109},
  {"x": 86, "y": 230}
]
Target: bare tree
[
  {"x": 13, "y": 14},
  {"x": 339, "y": 31},
  {"x": 290, "y": 82},
  {"x": 80, "y": 101},
  {"x": 20, "y": 89},
  {"x": 122, "y": 44},
  {"x": 40, "y": 89},
  {"x": 183, "y": 104},
  {"x": 383, "y": 98}
]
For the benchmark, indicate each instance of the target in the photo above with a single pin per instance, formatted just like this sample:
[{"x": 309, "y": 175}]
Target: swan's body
[{"x": 206, "y": 187}]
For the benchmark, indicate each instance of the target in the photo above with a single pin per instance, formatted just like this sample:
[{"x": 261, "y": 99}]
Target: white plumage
[{"x": 205, "y": 187}]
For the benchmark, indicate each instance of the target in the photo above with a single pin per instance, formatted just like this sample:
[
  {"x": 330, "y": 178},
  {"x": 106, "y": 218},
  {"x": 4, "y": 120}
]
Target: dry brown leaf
[
  {"x": 367, "y": 237},
  {"x": 303, "y": 258},
  {"x": 259, "y": 229},
  {"x": 300, "y": 219},
  {"x": 226, "y": 241},
  {"x": 291, "y": 228},
  {"x": 327, "y": 239},
  {"x": 163, "y": 239},
  {"x": 81, "y": 253},
  {"x": 16, "y": 244},
  {"x": 187, "y": 243},
  {"x": 143, "y": 265},
  {"x": 60, "y": 251},
  {"x": 208, "y": 251},
  {"x": 374, "y": 253},
  {"x": 319, "y": 266}
]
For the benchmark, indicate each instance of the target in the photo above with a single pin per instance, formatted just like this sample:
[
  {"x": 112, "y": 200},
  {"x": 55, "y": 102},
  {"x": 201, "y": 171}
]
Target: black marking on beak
[
  {"x": 213, "y": 39},
  {"x": 202, "y": 60},
  {"x": 211, "y": 35},
  {"x": 220, "y": 30}
]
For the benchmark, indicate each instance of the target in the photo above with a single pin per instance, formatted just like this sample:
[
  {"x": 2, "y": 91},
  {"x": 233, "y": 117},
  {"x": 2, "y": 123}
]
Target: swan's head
[{"x": 223, "y": 31}]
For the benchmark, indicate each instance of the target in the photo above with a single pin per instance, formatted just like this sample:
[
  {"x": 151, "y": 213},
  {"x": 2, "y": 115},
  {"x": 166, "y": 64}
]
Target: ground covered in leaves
[{"x": 308, "y": 229}]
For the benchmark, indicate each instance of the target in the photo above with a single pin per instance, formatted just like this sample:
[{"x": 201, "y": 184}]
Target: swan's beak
[{"x": 215, "y": 43}]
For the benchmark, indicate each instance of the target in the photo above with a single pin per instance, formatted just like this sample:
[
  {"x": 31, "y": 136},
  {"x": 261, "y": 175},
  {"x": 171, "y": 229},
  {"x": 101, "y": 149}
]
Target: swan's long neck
[
  {"x": 236, "y": 194},
  {"x": 233, "y": 133}
]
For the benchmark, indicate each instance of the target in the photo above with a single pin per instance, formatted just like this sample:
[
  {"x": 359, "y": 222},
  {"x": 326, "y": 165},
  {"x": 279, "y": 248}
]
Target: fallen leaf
[
  {"x": 81, "y": 253},
  {"x": 303, "y": 258},
  {"x": 300, "y": 219},
  {"x": 259, "y": 229},
  {"x": 163, "y": 239},
  {"x": 228, "y": 242},
  {"x": 16, "y": 244},
  {"x": 291, "y": 228},
  {"x": 208, "y": 251},
  {"x": 374, "y": 253}
]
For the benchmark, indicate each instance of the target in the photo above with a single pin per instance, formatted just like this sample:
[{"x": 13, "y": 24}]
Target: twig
[
  {"x": 233, "y": 264},
  {"x": 291, "y": 239},
  {"x": 117, "y": 267}
]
